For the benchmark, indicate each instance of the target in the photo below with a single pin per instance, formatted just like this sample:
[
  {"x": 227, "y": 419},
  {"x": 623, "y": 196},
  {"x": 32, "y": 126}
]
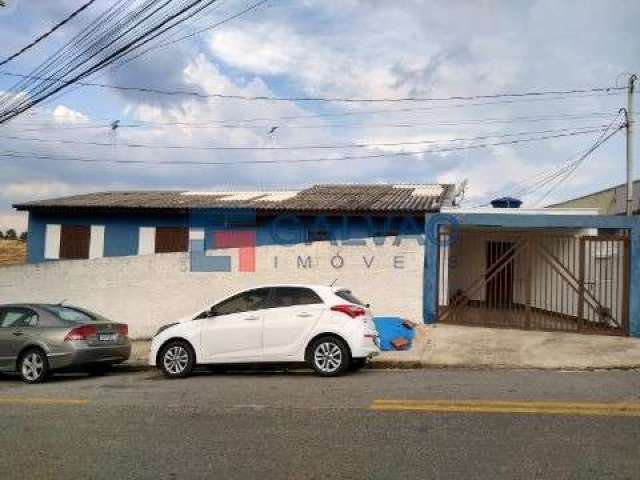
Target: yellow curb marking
[
  {"x": 515, "y": 407},
  {"x": 42, "y": 401}
]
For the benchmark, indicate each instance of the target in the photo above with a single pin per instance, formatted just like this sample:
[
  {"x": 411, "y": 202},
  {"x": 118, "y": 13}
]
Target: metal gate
[{"x": 535, "y": 281}]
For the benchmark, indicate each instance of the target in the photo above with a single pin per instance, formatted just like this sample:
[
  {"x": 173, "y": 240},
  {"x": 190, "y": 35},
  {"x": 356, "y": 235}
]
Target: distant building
[{"x": 610, "y": 201}]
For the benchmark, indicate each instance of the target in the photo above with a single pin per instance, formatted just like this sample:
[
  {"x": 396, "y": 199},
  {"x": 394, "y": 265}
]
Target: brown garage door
[
  {"x": 74, "y": 242},
  {"x": 172, "y": 239}
]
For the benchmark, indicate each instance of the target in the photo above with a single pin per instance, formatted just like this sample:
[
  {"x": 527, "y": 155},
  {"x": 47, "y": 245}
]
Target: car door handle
[
  {"x": 251, "y": 318},
  {"x": 17, "y": 334},
  {"x": 304, "y": 315}
]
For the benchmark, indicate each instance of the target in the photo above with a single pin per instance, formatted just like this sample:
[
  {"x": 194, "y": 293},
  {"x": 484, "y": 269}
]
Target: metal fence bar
[{"x": 537, "y": 281}]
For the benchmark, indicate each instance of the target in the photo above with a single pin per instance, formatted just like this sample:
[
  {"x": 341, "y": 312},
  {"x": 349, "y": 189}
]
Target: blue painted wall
[
  {"x": 120, "y": 235},
  {"x": 122, "y": 230}
]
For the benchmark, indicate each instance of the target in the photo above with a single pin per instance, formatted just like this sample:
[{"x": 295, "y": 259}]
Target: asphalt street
[{"x": 423, "y": 424}]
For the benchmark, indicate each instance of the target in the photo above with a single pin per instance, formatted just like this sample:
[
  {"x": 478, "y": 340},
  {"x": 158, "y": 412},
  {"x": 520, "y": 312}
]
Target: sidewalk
[{"x": 476, "y": 347}]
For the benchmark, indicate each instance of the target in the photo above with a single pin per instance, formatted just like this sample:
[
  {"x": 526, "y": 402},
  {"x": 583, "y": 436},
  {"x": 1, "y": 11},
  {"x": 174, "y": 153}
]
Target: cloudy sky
[{"x": 333, "y": 48}]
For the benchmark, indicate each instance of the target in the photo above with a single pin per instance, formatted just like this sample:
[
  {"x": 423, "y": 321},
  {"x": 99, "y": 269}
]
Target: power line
[
  {"x": 121, "y": 63},
  {"x": 61, "y": 58},
  {"x": 567, "y": 170},
  {"x": 563, "y": 178},
  {"x": 121, "y": 58},
  {"x": 114, "y": 48},
  {"x": 473, "y": 121},
  {"x": 539, "y": 181},
  {"x": 200, "y": 125},
  {"x": 32, "y": 155},
  {"x": 197, "y": 32},
  {"x": 237, "y": 123},
  {"x": 289, "y": 147},
  {"x": 46, "y": 34},
  {"x": 192, "y": 93},
  {"x": 276, "y": 120}
]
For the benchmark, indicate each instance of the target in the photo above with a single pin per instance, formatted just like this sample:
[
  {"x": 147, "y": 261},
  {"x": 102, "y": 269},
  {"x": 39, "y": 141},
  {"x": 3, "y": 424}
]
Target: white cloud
[
  {"x": 15, "y": 220},
  {"x": 34, "y": 190},
  {"x": 63, "y": 114},
  {"x": 352, "y": 48}
]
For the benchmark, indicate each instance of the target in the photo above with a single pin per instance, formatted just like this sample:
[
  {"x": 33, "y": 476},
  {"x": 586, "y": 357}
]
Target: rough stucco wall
[{"x": 149, "y": 291}]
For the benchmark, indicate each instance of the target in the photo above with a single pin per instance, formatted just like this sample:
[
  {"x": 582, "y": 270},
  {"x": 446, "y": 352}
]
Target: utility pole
[{"x": 630, "y": 93}]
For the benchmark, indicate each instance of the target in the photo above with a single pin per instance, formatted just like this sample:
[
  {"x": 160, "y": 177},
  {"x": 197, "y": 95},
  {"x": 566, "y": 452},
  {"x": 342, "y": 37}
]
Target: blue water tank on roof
[{"x": 506, "y": 202}]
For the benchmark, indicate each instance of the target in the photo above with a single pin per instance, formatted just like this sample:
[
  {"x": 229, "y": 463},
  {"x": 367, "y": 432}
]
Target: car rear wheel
[
  {"x": 33, "y": 366},
  {"x": 177, "y": 359},
  {"x": 329, "y": 356}
]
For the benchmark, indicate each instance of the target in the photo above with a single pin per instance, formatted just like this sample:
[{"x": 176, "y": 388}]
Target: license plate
[{"x": 107, "y": 337}]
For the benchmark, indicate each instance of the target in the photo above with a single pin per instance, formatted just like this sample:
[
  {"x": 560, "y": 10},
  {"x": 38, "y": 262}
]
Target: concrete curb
[
  {"x": 448, "y": 346},
  {"x": 132, "y": 367},
  {"x": 396, "y": 365},
  {"x": 433, "y": 366},
  {"x": 415, "y": 364}
]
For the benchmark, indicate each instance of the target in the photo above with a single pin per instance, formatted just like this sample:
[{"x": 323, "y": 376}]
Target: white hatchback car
[{"x": 326, "y": 327}]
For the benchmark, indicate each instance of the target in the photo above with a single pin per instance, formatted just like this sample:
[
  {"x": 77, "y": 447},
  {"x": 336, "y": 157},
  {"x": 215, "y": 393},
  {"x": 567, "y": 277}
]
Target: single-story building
[
  {"x": 116, "y": 224},
  {"x": 410, "y": 250},
  {"x": 148, "y": 258}
]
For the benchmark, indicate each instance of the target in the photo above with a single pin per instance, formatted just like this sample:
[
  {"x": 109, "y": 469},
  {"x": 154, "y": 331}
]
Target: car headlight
[{"x": 164, "y": 327}]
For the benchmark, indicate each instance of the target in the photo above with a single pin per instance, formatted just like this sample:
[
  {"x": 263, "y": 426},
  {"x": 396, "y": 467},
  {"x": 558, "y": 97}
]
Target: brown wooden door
[
  {"x": 172, "y": 239},
  {"x": 74, "y": 241},
  {"x": 499, "y": 286}
]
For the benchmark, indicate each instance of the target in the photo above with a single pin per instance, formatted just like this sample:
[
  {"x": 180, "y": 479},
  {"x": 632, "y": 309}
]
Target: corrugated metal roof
[{"x": 318, "y": 198}]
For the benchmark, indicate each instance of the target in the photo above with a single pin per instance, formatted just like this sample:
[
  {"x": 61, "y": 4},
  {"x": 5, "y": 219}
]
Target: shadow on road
[{"x": 240, "y": 371}]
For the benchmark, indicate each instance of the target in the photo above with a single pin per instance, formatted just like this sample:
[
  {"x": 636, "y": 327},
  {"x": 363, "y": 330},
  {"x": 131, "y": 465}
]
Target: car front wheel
[
  {"x": 329, "y": 356},
  {"x": 177, "y": 359},
  {"x": 33, "y": 366}
]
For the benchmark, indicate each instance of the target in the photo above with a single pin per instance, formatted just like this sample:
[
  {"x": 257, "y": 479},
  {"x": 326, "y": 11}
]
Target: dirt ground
[{"x": 12, "y": 252}]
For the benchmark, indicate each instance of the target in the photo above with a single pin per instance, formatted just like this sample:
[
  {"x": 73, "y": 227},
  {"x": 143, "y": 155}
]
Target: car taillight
[
  {"x": 81, "y": 333},
  {"x": 123, "y": 329},
  {"x": 352, "y": 310}
]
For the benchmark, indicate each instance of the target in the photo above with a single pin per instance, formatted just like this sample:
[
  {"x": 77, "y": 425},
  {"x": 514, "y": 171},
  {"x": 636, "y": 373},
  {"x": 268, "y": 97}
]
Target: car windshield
[
  {"x": 349, "y": 297},
  {"x": 72, "y": 314}
]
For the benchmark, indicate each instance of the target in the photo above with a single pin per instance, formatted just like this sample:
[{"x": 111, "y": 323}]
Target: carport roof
[{"x": 381, "y": 198}]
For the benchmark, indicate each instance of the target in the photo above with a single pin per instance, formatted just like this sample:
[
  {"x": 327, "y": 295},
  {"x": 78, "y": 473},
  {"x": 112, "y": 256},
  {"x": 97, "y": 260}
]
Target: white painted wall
[
  {"x": 52, "y": 241},
  {"x": 147, "y": 240},
  {"x": 96, "y": 244},
  {"x": 151, "y": 290}
]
